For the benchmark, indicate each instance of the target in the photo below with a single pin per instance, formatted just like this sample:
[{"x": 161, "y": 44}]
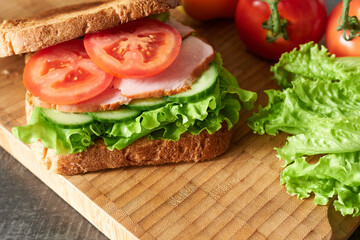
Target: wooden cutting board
[{"x": 236, "y": 196}]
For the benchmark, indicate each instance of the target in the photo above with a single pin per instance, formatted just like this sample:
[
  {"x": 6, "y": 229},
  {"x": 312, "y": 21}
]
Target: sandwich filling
[{"x": 191, "y": 94}]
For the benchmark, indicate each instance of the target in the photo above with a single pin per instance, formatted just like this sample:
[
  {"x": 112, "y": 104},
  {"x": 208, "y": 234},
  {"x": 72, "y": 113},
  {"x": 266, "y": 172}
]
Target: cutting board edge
[{"x": 23, "y": 154}]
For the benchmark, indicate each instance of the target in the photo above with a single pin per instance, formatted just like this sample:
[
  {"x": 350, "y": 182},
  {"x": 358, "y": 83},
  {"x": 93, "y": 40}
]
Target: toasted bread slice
[
  {"x": 142, "y": 152},
  {"x": 63, "y": 24}
]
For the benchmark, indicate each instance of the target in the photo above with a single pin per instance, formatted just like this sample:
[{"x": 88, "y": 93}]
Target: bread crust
[
  {"x": 189, "y": 148},
  {"x": 63, "y": 24}
]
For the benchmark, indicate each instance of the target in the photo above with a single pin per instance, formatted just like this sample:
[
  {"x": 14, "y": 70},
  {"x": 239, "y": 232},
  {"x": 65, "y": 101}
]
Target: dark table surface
[{"x": 30, "y": 210}]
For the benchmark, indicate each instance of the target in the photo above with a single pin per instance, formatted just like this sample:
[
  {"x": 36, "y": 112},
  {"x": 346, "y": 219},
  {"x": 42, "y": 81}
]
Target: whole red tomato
[
  {"x": 306, "y": 22},
  {"x": 203, "y": 10},
  {"x": 334, "y": 39}
]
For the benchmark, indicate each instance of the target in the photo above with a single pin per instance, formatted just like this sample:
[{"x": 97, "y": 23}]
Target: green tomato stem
[
  {"x": 348, "y": 24},
  {"x": 275, "y": 25}
]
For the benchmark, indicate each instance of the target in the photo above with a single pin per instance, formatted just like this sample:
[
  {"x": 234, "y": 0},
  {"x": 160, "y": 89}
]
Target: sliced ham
[
  {"x": 193, "y": 59},
  {"x": 184, "y": 30},
  {"x": 110, "y": 99}
]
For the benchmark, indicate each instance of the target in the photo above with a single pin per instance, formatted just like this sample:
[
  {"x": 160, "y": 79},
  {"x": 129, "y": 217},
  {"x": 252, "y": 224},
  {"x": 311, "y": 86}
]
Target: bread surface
[
  {"x": 63, "y": 24},
  {"x": 142, "y": 152}
]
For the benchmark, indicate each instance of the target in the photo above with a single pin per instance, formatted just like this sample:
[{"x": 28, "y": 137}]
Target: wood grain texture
[{"x": 235, "y": 196}]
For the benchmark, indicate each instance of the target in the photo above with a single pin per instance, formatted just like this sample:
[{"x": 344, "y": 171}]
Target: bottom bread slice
[{"x": 142, "y": 152}]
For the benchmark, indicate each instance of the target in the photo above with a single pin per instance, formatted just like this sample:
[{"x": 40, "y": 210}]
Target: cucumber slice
[
  {"x": 115, "y": 116},
  {"x": 65, "y": 119},
  {"x": 200, "y": 88},
  {"x": 147, "y": 103}
]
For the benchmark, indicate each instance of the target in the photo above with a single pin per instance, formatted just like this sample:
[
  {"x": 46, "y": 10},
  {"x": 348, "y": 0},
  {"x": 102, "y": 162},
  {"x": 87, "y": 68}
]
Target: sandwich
[{"x": 121, "y": 83}]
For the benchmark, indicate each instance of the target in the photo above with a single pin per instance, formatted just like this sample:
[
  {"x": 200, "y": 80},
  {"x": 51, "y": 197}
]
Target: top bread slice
[{"x": 63, "y": 24}]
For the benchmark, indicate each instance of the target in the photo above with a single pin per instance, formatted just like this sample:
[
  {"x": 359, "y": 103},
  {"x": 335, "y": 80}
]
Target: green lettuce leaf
[
  {"x": 320, "y": 107},
  {"x": 325, "y": 135},
  {"x": 311, "y": 62},
  {"x": 163, "y": 17},
  {"x": 63, "y": 140},
  {"x": 167, "y": 122},
  {"x": 333, "y": 175}
]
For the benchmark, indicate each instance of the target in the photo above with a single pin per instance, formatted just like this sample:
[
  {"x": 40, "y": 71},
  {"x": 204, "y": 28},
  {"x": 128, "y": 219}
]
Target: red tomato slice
[
  {"x": 64, "y": 74},
  {"x": 137, "y": 49}
]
